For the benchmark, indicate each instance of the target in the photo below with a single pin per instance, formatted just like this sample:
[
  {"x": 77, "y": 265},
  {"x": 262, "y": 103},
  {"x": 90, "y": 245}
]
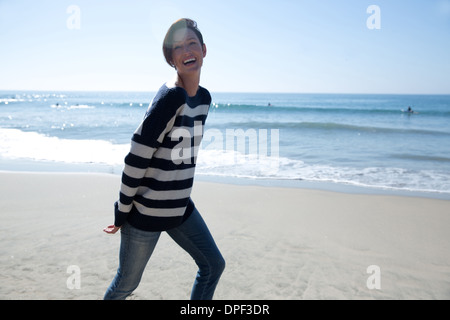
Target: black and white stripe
[{"x": 159, "y": 169}]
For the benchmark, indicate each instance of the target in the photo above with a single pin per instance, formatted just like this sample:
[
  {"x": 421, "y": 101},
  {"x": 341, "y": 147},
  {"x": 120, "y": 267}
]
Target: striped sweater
[{"x": 159, "y": 169}]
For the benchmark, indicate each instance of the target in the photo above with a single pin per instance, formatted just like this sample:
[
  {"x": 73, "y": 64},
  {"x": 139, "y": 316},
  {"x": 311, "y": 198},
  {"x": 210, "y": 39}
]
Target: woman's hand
[{"x": 111, "y": 229}]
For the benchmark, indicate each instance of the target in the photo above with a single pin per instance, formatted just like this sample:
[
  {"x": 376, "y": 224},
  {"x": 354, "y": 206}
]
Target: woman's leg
[
  {"x": 194, "y": 237},
  {"x": 136, "y": 247}
]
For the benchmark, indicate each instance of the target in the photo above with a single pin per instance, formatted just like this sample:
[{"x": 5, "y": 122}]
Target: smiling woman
[
  {"x": 169, "y": 42},
  {"x": 156, "y": 188},
  {"x": 184, "y": 50}
]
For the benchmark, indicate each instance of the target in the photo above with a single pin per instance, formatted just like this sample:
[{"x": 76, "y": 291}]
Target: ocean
[{"x": 354, "y": 140}]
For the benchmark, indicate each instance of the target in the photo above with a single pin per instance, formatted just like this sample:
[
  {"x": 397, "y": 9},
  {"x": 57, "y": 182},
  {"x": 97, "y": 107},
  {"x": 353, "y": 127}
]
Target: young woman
[{"x": 159, "y": 171}]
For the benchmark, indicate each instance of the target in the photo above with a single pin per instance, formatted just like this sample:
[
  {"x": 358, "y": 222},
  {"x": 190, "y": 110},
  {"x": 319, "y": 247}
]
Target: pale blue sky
[{"x": 253, "y": 45}]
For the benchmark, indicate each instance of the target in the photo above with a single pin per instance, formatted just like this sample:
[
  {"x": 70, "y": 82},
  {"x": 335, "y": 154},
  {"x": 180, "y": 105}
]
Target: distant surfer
[{"x": 409, "y": 111}]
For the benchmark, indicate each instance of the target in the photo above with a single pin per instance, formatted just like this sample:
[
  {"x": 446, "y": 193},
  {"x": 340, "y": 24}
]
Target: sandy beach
[{"x": 279, "y": 243}]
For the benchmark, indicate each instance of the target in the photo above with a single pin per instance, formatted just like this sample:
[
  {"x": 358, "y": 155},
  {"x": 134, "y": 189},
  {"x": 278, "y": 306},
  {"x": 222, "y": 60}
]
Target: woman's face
[{"x": 187, "y": 51}]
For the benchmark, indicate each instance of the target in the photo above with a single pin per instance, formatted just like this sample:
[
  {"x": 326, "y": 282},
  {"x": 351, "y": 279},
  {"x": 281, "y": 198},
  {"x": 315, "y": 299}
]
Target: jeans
[{"x": 137, "y": 246}]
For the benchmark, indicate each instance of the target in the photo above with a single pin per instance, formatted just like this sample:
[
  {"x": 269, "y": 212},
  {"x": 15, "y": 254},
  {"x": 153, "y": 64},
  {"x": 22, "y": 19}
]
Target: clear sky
[{"x": 253, "y": 45}]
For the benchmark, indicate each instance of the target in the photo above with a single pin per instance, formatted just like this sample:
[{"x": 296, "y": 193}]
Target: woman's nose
[{"x": 186, "y": 49}]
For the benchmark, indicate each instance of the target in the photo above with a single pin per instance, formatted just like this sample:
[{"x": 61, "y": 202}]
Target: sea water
[{"x": 344, "y": 139}]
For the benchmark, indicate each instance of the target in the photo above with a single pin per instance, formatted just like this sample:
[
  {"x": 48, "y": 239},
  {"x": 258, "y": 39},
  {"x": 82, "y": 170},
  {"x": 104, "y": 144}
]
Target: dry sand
[{"x": 279, "y": 243}]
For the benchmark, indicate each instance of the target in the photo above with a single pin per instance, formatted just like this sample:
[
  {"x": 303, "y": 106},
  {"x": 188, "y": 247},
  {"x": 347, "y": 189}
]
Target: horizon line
[{"x": 230, "y": 92}]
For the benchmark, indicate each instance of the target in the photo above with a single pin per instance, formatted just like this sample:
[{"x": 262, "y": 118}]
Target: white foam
[
  {"x": 235, "y": 164},
  {"x": 17, "y": 144},
  {"x": 72, "y": 107}
]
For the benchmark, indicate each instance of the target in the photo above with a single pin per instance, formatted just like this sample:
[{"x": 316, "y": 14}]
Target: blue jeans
[{"x": 137, "y": 246}]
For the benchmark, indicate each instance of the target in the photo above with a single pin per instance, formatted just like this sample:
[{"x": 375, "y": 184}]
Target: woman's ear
[{"x": 204, "y": 50}]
